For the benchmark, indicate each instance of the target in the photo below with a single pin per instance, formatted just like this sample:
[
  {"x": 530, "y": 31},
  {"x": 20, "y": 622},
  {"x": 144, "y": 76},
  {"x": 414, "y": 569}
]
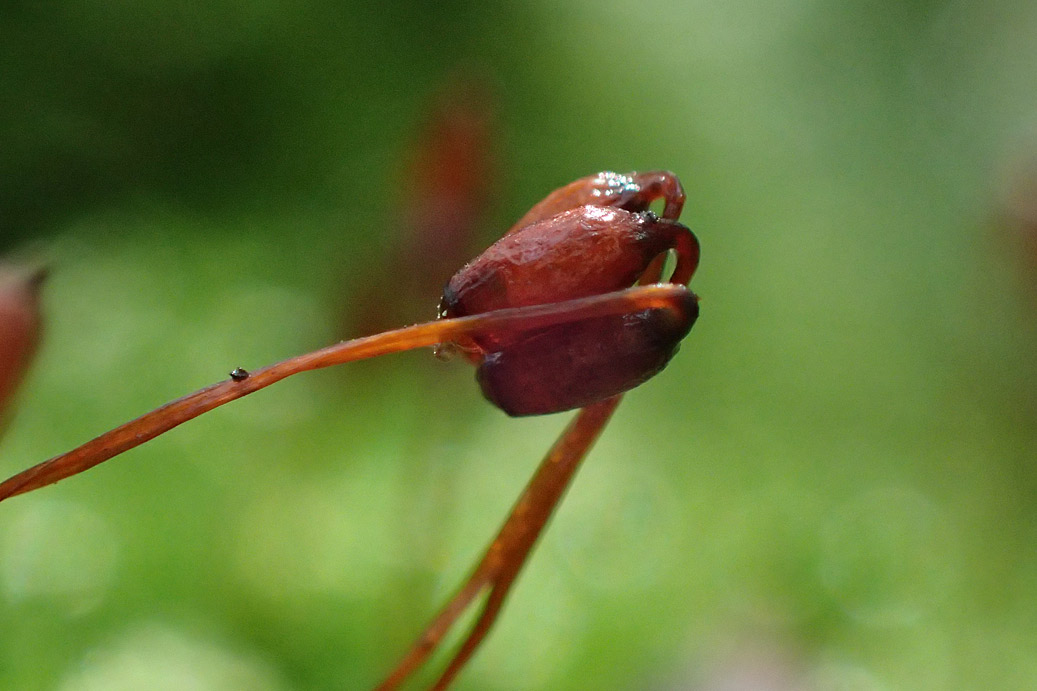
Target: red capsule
[
  {"x": 19, "y": 326},
  {"x": 588, "y": 250}
]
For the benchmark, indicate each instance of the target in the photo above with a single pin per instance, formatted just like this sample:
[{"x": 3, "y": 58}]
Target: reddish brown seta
[{"x": 557, "y": 314}]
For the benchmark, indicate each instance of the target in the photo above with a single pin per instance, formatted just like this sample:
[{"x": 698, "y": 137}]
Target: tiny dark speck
[{"x": 239, "y": 374}]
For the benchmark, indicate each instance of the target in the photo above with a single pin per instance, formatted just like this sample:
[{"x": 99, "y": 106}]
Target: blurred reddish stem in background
[
  {"x": 19, "y": 328},
  {"x": 441, "y": 203},
  {"x": 1018, "y": 218}
]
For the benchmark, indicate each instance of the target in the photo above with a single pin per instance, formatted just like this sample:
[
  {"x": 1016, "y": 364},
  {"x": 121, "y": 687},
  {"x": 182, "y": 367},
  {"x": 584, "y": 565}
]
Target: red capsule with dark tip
[{"x": 579, "y": 252}]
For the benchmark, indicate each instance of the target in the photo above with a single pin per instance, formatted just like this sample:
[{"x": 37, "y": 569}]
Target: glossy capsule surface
[{"x": 578, "y": 252}]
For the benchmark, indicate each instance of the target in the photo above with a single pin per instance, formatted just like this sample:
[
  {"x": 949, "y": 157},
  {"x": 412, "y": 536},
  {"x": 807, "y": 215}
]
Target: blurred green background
[{"x": 831, "y": 487}]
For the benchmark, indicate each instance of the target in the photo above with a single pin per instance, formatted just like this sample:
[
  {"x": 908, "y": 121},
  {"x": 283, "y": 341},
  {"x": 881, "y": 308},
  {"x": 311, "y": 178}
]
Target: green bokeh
[{"x": 833, "y": 485}]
